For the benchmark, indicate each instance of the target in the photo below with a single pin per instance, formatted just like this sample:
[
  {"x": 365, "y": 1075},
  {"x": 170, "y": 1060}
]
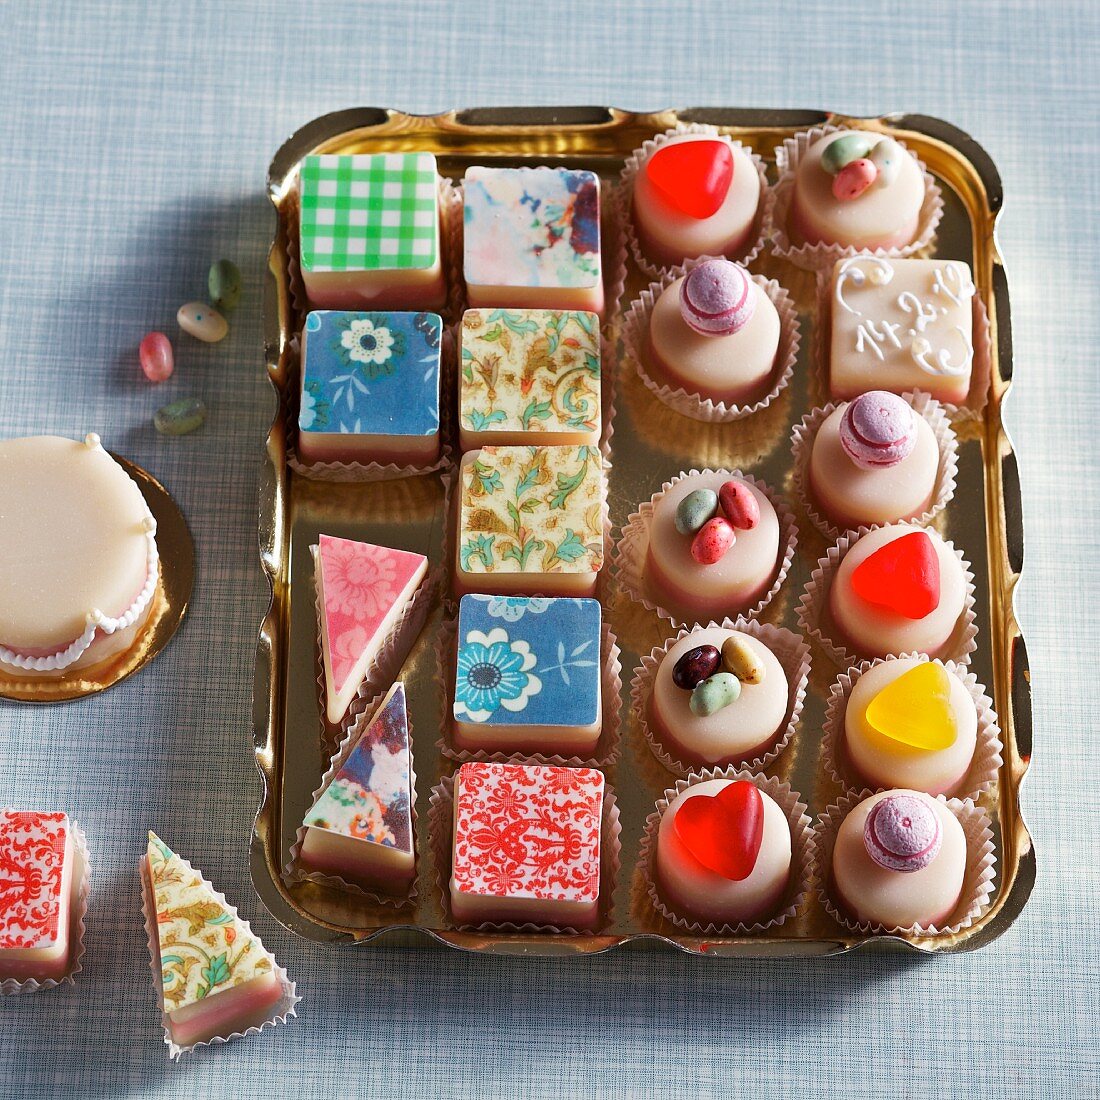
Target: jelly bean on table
[
  {"x": 180, "y": 417},
  {"x": 155, "y": 356}
]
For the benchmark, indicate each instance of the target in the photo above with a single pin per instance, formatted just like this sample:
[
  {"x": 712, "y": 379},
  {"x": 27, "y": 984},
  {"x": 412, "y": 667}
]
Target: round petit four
[
  {"x": 898, "y": 589},
  {"x": 80, "y": 556},
  {"x": 910, "y": 723},
  {"x": 858, "y": 190},
  {"x": 899, "y": 860},
  {"x": 730, "y": 668},
  {"x": 714, "y": 333},
  {"x": 723, "y": 566},
  {"x": 723, "y": 853},
  {"x": 695, "y": 195},
  {"x": 873, "y": 460}
]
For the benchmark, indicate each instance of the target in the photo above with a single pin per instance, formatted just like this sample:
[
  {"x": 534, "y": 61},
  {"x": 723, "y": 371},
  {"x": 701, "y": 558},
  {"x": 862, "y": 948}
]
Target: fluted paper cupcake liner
[
  {"x": 640, "y": 155},
  {"x": 793, "y": 654},
  {"x": 816, "y": 256},
  {"x": 281, "y": 1011},
  {"x": 295, "y": 872},
  {"x": 802, "y": 440},
  {"x": 441, "y": 828},
  {"x": 636, "y": 339},
  {"x": 977, "y": 878},
  {"x": 816, "y": 621},
  {"x": 802, "y": 853},
  {"x": 981, "y": 367},
  {"x": 607, "y": 747},
  {"x": 980, "y": 777},
  {"x": 11, "y": 986},
  {"x": 628, "y": 562}
]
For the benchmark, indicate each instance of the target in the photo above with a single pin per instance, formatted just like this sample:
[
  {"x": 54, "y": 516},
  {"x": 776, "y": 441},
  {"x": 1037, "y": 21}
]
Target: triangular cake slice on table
[
  {"x": 360, "y": 827},
  {"x": 362, "y": 590},
  {"x": 216, "y": 977}
]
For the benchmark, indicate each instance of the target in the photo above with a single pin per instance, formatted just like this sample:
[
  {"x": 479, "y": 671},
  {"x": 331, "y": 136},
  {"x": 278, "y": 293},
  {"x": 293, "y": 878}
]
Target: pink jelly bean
[
  {"x": 712, "y": 540},
  {"x": 739, "y": 504},
  {"x": 853, "y": 179},
  {"x": 155, "y": 354}
]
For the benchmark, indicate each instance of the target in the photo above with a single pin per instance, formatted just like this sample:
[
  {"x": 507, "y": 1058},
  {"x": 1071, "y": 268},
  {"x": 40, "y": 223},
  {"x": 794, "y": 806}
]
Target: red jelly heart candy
[
  {"x": 903, "y": 576},
  {"x": 723, "y": 831},
  {"x": 693, "y": 176}
]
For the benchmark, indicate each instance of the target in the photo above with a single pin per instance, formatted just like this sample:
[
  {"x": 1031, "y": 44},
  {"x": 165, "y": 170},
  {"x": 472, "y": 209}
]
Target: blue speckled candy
[
  {"x": 714, "y": 693},
  {"x": 180, "y": 417},
  {"x": 694, "y": 510},
  {"x": 844, "y": 150}
]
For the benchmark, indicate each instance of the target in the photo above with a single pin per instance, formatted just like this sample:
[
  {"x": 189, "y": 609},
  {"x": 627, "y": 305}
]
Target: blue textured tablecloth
[{"x": 133, "y": 147}]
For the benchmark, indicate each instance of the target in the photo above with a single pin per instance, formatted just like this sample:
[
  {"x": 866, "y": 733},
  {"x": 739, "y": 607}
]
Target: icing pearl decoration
[
  {"x": 845, "y": 149},
  {"x": 714, "y": 694},
  {"x": 886, "y": 157},
  {"x": 902, "y": 833},
  {"x": 739, "y": 505},
  {"x": 853, "y": 179},
  {"x": 712, "y": 540},
  {"x": 717, "y": 298},
  {"x": 878, "y": 430},
  {"x": 224, "y": 284},
  {"x": 695, "y": 666},
  {"x": 180, "y": 417},
  {"x": 155, "y": 356},
  {"x": 202, "y": 321},
  {"x": 739, "y": 658},
  {"x": 694, "y": 510}
]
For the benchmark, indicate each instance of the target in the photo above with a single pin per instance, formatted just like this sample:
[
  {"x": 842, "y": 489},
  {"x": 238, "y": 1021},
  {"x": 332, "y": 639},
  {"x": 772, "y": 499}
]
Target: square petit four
[
  {"x": 527, "y": 675},
  {"x": 362, "y": 590},
  {"x": 529, "y": 376},
  {"x": 369, "y": 234},
  {"x": 526, "y": 845},
  {"x": 901, "y": 325},
  {"x": 40, "y": 880},
  {"x": 532, "y": 238},
  {"x": 216, "y": 977},
  {"x": 370, "y": 387},
  {"x": 529, "y": 520},
  {"x": 360, "y": 827}
]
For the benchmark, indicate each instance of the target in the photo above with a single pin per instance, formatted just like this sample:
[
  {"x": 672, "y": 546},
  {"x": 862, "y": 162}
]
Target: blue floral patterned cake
[
  {"x": 527, "y": 674},
  {"x": 370, "y": 387}
]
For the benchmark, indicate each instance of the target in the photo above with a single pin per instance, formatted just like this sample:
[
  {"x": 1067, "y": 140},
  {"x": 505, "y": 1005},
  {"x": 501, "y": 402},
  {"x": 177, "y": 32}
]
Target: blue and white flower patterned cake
[
  {"x": 527, "y": 675},
  {"x": 370, "y": 387}
]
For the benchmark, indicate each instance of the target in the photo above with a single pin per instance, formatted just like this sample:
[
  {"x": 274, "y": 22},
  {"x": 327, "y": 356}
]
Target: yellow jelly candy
[{"x": 915, "y": 709}]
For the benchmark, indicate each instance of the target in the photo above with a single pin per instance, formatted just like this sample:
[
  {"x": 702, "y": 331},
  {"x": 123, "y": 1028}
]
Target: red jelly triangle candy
[
  {"x": 903, "y": 576},
  {"x": 694, "y": 176},
  {"x": 723, "y": 831}
]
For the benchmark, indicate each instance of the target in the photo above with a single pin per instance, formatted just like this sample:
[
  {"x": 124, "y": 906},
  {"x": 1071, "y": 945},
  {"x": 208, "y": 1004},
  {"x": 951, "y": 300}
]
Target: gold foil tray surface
[{"x": 408, "y": 514}]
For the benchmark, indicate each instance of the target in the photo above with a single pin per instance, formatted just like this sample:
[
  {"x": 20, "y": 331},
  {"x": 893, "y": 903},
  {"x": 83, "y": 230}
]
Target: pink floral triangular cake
[{"x": 362, "y": 590}]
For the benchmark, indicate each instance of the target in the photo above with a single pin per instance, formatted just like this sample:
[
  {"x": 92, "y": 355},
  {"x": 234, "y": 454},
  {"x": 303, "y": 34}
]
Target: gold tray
[{"x": 408, "y": 514}]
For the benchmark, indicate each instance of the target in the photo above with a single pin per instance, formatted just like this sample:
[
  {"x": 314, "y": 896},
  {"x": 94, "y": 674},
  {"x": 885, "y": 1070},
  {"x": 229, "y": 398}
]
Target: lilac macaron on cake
[
  {"x": 874, "y": 460},
  {"x": 714, "y": 333},
  {"x": 899, "y": 861}
]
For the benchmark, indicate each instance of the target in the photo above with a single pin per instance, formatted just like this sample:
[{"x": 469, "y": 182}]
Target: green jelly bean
[
  {"x": 844, "y": 150},
  {"x": 714, "y": 693},
  {"x": 180, "y": 417},
  {"x": 224, "y": 283},
  {"x": 694, "y": 510}
]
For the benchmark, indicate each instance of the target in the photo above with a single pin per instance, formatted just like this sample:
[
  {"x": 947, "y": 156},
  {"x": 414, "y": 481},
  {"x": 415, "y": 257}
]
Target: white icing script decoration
[
  {"x": 920, "y": 349},
  {"x": 924, "y": 312},
  {"x": 880, "y": 274},
  {"x": 958, "y": 291}
]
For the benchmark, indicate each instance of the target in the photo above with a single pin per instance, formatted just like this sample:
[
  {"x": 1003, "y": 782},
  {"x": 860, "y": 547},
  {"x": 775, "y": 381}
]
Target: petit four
[
  {"x": 370, "y": 387},
  {"x": 360, "y": 826},
  {"x": 713, "y": 545},
  {"x": 532, "y": 238},
  {"x": 530, "y": 520},
  {"x": 41, "y": 875},
  {"x": 719, "y": 697},
  {"x": 899, "y": 860},
  {"x": 527, "y": 845},
  {"x": 529, "y": 376},
  {"x": 901, "y": 325},
  {"x": 80, "y": 557},
  {"x": 912, "y": 723},
  {"x": 527, "y": 676},
  {"x": 859, "y": 190},
  {"x": 873, "y": 460},
  {"x": 695, "y": 195},
  {"x": 714, "y": 333},
  {"x": 369, "y": 235},
  {"x": 362, "y": 591},
  {"x": 723, "y": 853},
  {"x": 898, "y": 589}
]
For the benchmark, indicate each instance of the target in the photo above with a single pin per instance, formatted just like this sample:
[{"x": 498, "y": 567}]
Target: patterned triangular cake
[{"x": 362, "y": 590}]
